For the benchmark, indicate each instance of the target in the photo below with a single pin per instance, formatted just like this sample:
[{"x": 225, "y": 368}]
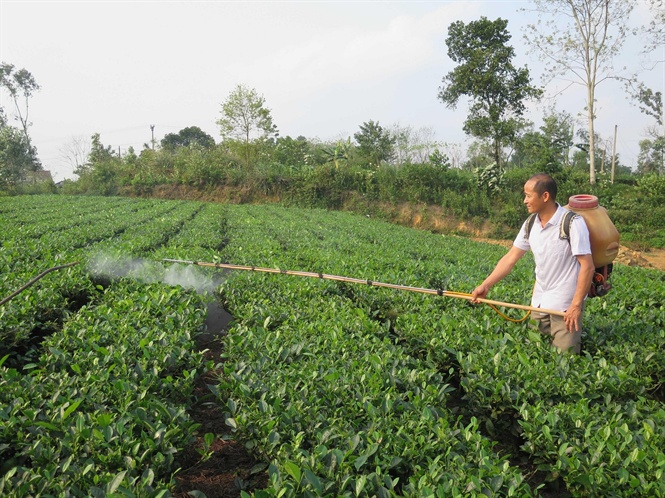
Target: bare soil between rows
[{"x": 230, "y": 469}]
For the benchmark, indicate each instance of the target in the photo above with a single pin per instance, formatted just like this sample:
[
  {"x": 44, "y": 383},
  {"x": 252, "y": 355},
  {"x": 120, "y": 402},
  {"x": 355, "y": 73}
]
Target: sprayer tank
[{"x": 603, "y": 235}]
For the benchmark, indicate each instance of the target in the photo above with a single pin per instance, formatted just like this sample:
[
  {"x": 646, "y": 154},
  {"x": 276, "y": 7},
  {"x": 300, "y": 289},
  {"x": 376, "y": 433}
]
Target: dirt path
[
  {"x": 655, "y": 257},
  {"x": 229, "y": 468}
]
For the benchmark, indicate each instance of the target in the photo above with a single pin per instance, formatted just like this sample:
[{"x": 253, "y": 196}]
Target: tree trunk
[
  {"x": 497, "y": 152},
  {"x": 592, "y": 145},
  {"x": 247, "y": 149}
]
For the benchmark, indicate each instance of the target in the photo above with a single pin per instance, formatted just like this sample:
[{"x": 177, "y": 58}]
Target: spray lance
[{"x": 437, "y": 292}]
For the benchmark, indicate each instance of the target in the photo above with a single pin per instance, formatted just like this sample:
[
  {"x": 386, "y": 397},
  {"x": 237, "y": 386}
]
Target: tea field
[{"x": 341, "y": 389}]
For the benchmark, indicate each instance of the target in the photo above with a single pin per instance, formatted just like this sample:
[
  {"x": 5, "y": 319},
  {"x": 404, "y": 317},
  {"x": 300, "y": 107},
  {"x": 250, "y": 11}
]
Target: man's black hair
[{"x": 544, "y": 183}]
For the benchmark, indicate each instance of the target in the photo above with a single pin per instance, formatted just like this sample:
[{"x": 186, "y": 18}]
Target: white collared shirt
[{"x": 557, "y": 267}]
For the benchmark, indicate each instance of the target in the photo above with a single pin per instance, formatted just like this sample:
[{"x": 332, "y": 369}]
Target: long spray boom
[{"x": 422, "y": 290}]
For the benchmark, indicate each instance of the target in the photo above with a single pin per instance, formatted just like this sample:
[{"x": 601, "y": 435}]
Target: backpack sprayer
[
  {"x": 437, "y": 292},
  {"x": 603, "y": 236}
]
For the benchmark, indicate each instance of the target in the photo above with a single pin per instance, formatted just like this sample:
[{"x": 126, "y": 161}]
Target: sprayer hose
[{"x": 41, "y": 275}]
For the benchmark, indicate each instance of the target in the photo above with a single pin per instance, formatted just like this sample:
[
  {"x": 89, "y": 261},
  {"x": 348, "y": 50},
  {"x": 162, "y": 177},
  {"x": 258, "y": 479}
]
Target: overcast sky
[{"x": 324, "y": 68}]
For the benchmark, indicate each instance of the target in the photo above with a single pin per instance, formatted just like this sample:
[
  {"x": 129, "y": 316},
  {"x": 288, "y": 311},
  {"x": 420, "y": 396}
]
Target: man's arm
[
  {"x": 502, "y": 268},
  {"x": 574, "y": 312}
]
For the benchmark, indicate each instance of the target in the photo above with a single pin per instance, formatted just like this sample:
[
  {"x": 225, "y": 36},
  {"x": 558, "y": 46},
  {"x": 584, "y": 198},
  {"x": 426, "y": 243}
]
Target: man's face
[{"x": 534, "y": 202}]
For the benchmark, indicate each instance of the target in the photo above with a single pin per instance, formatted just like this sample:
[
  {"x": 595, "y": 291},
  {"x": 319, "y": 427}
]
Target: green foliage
[
  {"x": 546, "y": 150},
  {"x": 650, "y": 102},
  {"x": 651, "y": 158},
  {"x": 439, "y": 160},
  {"x": 338, "y": 153},
  {"x": 292, "y": 152},
  {"x": 245, "y": 118},
  {"x": 339, "y": 389},
  {"x": 490, "y": 178},
  {"x": 17, "y": 157},
  {"x": 187, "y": 137},
  {"x": 375, "y": 144},
  {"x": 486, "y": 74}
]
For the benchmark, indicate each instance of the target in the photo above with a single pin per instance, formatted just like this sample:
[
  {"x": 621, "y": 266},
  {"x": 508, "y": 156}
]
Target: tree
[
  {"x": 374, "y": 143},
  {"x": 192, "y": 135},
  {"x": 581, "y": 38},
  {"x": 485, "y": 73},
  {"x": 17, "y": 156},
  {"x": 655, "y": 30},
  {"x": 650, "y": 102},
  {"x": 413, "y": 146},
  {"x": 338, "y": 152},
  {"x": 245, "y": 118},
  {"x": 548, "y": 149},
  {"x": 21, "y": 85},
  {"x": 439, "y": 160},
  {"x": 651, "y": 158},
  {"x": 76, "y": 152},
  {"x": 292, "y": 152}
]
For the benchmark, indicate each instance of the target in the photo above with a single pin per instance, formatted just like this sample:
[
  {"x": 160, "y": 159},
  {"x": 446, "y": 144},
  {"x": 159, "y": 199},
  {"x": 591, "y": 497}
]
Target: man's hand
[
  {"x": 572, "y": 318},
  {"x": 480, "y": 292}
]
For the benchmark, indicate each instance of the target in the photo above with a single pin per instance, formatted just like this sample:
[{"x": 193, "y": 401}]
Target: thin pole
[
  {"x": 422, "y": 290},
  {"x": 41, "y": 275}
]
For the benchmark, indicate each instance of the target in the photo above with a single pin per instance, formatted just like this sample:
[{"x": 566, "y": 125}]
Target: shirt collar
[{"x": 554, "y": 220}]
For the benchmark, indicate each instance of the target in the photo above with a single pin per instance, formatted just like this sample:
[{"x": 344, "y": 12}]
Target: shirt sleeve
[
  {"x": 521, "y": 242},
  {"x": 579, "y": 237}
]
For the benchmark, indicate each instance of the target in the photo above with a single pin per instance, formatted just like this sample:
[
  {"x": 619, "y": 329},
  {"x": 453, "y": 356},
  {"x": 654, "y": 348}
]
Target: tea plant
[{"x": 342, "y": 389}]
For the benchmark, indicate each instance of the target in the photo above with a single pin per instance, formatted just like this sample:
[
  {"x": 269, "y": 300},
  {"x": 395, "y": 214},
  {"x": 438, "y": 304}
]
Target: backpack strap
[
  {"x": 564, "y": 228},
  {"x": 529, "y": 225},
  {"x": 566, "y": 223}
]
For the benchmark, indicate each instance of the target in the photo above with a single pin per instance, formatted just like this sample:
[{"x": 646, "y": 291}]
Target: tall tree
[
  {"x": 581, "y": 38},
  {"x": 20, "y": 85},
  {"x": 245, "y": 117},
  {"x": 375, "y": 143},
  {"x": 486, "y": 74}
]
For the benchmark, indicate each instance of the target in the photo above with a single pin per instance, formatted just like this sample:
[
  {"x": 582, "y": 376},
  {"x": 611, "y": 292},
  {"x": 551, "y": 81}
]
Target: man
[{"x": 564, "y": 268}]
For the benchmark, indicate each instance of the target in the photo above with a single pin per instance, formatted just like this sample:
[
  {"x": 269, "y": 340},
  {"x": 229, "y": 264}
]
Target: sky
[{"x": 324, "y": 68}]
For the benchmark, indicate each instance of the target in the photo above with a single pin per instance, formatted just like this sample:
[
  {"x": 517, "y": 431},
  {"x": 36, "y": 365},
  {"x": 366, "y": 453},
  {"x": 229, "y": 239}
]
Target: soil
[{"x": 230, "y": 468}]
